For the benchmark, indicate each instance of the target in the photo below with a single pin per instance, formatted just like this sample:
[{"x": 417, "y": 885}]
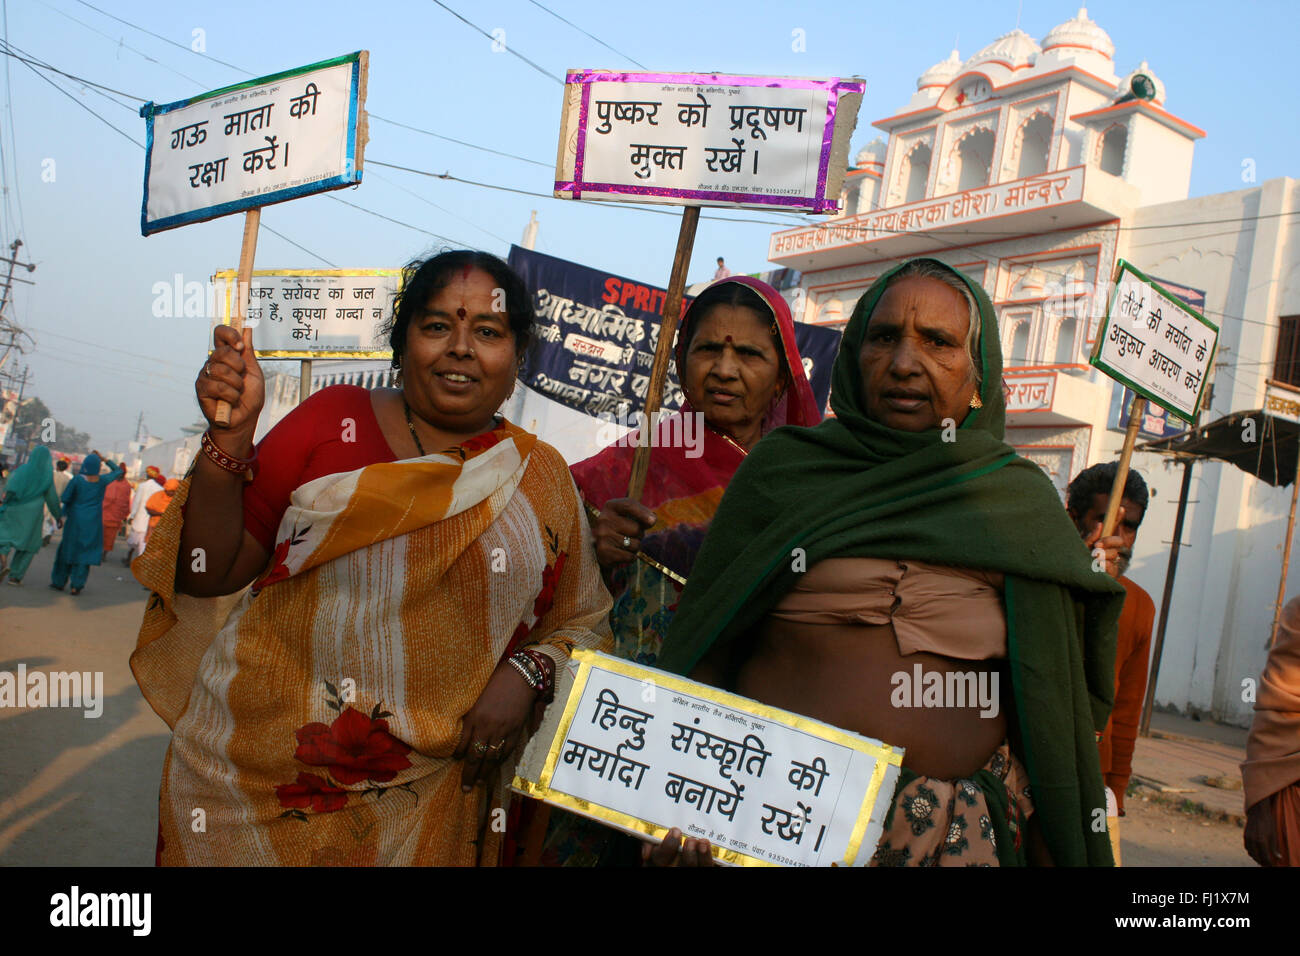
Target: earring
[{"x": 975, "y": 401}]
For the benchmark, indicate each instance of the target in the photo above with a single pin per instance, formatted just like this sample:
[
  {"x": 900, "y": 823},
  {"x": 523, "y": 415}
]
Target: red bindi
[
  {"x": 461, "y": 313},
  {"x": 728, "y": 338}
]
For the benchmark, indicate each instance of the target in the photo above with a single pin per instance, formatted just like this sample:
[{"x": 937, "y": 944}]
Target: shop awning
[{"x": 1271, "y": 456}]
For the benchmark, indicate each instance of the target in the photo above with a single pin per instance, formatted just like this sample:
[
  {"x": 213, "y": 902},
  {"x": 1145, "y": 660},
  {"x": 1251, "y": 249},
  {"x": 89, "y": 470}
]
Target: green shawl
[{"x": 851, "y": 487}]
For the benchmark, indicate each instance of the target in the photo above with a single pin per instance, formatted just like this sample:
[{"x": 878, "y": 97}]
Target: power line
[
  {"x": 119, "y": 132},
  {"x": 586, "y": 34},
  {"x": 508, "y": 49},
  {"x": 119, "y": 42},
  {"x": 448, "y": 212},
  {"x": 46, "y": 66},
  {"x": 460, "y": 142},
  {"x": 398, "y": 222},
  {"x": 158, "y": 36},
  {"x": 108, "y": 348}
]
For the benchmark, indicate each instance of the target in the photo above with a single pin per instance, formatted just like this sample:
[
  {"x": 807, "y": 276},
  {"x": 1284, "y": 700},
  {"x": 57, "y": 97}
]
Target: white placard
[
  {"x": 261, "y": 142},
  {"x": 1155, "y": 344},
  {"x": 314, "y": 313},
  {"x": 706, "y": 139},
  {"x": 646, "y": 751}
]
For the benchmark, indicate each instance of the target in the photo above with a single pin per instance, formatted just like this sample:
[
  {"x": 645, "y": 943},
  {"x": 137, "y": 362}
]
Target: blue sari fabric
[{"x": 83, "y": 509}]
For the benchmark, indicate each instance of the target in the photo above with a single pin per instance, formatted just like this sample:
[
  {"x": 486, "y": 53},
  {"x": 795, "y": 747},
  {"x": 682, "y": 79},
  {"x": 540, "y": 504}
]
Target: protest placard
[
  {"x": 1160, "y": 348},
  {"x": 706, "y": 139},
  {"x": 229, "y": 151},
  {"x": 264, "y": 141},
  {"x": 314, "y": 313},
  {"x": 1155, "y": 344},
  {"x": 645, "y": 751}
]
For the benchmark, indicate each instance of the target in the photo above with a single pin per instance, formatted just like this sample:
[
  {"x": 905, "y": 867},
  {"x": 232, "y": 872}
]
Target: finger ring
[
  {"x": 627, "y": 542},
  {"x": 495, "y": 747},
  {"x": 480, "y": 748}
]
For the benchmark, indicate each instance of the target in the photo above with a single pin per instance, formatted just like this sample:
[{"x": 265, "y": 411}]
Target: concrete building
[{"x": 1033, "y": 166}]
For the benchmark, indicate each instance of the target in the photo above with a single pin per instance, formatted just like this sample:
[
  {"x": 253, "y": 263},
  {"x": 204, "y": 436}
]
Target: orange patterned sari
[{"x": 314, "y": 715}]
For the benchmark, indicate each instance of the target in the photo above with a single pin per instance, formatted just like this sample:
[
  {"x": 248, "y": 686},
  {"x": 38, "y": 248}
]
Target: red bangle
[
  {"x": 546, "y": 666},
  {"x": 226, "y": 462}
]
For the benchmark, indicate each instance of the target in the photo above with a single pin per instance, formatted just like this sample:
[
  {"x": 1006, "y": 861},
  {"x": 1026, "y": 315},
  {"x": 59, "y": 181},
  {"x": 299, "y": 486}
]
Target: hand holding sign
[{"x": 232, "y": 377}]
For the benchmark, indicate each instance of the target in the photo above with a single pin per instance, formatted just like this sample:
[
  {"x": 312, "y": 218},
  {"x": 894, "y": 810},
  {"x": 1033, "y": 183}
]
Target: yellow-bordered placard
[
  {"x": 884, "y": 755},
  {"x": 230, "y": 279}
]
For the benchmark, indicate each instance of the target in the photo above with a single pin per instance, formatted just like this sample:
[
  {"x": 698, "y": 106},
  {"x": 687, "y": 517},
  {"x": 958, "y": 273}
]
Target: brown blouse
[{"x": 955, "y": 612}]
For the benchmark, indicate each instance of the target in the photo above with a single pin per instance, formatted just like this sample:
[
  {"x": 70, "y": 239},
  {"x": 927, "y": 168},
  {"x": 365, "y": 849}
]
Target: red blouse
[{"x": 333, "y": 431}]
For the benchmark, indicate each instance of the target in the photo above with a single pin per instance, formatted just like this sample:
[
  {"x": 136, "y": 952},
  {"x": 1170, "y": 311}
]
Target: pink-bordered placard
[{"x": 818, "y": 203}]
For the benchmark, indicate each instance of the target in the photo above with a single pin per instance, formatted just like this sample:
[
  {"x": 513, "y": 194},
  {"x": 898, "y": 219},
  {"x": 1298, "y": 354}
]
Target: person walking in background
[
  {"x": 61, "y": 478},
  {"x": 157, "y": 505},
  {"x": 723, "y": 272},
  {"x": 29, "y": 491},
  {"x": 1086, "y": 501},
  {"x": 138, "y": 523},
  {"x": 117, "y": 503},
  {"x": 83, "y": 531},
  {"x": 1271, "y": 774}
]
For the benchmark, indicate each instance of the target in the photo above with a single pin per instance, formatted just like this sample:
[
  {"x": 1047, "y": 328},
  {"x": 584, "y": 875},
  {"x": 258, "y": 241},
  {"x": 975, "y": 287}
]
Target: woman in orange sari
[{"x": 420, "y": 570}]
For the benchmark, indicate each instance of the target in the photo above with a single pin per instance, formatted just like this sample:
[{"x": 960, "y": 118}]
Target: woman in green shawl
[
  {"x": 29, "y": 492},
  {"x": 899, "y": 571}
]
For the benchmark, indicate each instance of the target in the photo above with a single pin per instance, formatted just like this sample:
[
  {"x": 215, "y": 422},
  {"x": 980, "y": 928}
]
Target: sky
[{"x": 72, "y": 187}]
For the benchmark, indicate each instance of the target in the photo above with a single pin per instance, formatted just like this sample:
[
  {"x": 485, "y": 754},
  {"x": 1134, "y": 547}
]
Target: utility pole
[
  {"x": 9, "y": 279},
  {"x": 9, "y": 327}
]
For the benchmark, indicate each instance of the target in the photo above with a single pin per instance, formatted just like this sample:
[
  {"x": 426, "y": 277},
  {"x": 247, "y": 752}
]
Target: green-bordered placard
[{"x": 1153, "y": 343}]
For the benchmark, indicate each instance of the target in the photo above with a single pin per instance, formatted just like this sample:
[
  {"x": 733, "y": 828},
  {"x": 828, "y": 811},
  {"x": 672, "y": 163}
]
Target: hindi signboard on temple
[
  {"x": 261, "y": 142},
  {"x": 706, "y": 139},
  {"x": 314, "y": 313},
  {"x": 646, "y": 751},
  {"x": 1155, "y": 344}
]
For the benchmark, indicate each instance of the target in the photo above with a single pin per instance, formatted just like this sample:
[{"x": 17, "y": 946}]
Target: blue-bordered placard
[{"x": 264, "y": 141}]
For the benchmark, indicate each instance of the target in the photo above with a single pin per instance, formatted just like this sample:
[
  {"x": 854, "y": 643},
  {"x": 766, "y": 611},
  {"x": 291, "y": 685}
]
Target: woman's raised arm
[{"x": 217, "y": 556}]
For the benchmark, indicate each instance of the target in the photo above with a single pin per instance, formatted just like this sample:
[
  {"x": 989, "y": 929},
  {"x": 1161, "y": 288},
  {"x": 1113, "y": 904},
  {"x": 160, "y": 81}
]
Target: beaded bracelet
[
  {"x": 533, "y": 680},
  {"x": 547, "y": 668},
  {"x": 227, "y": 462}
]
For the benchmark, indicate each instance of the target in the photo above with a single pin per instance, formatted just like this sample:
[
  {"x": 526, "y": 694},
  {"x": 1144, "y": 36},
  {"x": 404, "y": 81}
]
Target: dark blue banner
[{"x": 596, "y": 334}]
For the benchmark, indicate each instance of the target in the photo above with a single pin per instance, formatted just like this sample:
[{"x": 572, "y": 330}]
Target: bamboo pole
[
  {"x": 1135, "y": 411},
  {"x": 252, "y": 218},
  {"x": 664, "y": 347}
]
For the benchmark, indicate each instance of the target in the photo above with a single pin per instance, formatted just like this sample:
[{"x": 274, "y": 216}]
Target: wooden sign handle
[
  {"x": 252, "y": 218},
  {"x": 664, "y": 347},
  {"x": 1137, "y": 408}
]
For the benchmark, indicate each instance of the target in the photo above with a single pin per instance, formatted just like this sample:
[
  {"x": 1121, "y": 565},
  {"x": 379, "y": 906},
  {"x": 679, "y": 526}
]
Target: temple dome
[
  {"x": 873, "y": 154},
  {"x": 1081, "y": 33},
  {"x": 1015, "y": 49},
  {"x": 941, "y": 73}
]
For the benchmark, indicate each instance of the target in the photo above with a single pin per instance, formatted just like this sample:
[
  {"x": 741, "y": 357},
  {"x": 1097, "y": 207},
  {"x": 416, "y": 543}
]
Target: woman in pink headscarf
[
  {"x": 742, "y": 376},
  {"x": 740, "y": 371}
]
